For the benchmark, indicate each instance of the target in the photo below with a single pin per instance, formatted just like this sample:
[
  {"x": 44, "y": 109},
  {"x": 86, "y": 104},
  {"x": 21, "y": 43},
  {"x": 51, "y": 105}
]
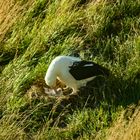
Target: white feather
[{"x": 88, "y": 65}]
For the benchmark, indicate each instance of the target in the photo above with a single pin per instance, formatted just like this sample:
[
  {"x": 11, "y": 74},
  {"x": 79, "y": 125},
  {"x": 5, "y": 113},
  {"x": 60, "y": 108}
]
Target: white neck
[{"x": 50, "y": 77}]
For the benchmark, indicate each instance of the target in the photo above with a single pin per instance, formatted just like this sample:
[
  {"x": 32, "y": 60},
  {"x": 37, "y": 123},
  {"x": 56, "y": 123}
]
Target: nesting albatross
[{"x": 73, "y": 72}]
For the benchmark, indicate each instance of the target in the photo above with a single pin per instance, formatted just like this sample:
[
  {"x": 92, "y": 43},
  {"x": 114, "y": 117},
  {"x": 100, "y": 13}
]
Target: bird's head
[{"x": 50, "y": 82}]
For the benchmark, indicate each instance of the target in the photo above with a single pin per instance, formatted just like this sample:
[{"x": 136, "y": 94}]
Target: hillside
[{"x": 33, "y": 32}]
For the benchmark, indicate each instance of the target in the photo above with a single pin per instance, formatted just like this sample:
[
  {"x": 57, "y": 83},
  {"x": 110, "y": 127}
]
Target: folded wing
[{"x": 85, "y": 69}]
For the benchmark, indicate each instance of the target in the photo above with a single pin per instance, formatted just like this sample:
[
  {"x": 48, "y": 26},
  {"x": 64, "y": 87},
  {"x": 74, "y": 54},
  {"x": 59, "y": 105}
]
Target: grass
[{"x": 32, "y": 33}]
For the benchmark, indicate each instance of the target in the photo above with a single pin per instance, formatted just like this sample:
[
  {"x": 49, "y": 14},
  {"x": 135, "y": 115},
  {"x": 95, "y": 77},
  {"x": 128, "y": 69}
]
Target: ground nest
[
  {"x": 89, "y": 96},
  {"x": 92, "y": 92}
]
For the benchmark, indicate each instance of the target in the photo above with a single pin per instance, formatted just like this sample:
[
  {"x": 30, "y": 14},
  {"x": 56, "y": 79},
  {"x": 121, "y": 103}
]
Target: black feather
[{"x": 80, "y": 71}]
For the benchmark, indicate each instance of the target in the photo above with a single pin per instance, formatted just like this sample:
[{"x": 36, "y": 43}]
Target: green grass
[{"x": 107, "y": 32}]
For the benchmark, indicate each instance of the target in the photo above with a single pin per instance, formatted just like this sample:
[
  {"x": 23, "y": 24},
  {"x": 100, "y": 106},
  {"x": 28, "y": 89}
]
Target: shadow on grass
[
  {"x": 111, "y": 92},
  {"x": 107, "y": 93}
]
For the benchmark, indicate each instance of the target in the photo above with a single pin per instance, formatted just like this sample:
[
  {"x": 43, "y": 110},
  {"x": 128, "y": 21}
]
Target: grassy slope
[{"x": 32, "y": 33}]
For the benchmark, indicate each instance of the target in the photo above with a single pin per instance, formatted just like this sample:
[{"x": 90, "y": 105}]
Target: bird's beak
[
  {"x": 54, "y": 89},
  {"x": 57, "y": 91},
  {"x": 50, "y": 91}
]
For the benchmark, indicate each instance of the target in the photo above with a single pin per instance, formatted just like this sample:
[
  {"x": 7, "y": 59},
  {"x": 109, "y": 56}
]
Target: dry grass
[
  {"x": 127, "y": 127},
  {"x": 9, "y": 12}
]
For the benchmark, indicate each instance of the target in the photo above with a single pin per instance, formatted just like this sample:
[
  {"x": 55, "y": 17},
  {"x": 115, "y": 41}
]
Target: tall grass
[{"x": 32, "y": 33}]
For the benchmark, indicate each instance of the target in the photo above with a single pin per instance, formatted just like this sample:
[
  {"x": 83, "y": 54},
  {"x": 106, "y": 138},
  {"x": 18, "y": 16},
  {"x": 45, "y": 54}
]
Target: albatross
[{"x": 73, "y": 72}]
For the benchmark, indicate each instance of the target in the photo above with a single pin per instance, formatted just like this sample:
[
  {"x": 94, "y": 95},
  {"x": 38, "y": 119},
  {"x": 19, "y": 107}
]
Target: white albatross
[{"x": 73, "y": 72}]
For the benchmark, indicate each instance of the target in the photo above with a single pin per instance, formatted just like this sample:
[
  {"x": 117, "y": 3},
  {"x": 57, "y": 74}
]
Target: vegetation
[{"x": 33, "y": 32}]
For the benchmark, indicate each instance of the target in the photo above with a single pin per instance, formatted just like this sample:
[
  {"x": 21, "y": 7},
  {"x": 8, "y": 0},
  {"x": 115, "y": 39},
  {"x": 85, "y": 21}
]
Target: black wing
[{"x": 86, "y": 69}]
